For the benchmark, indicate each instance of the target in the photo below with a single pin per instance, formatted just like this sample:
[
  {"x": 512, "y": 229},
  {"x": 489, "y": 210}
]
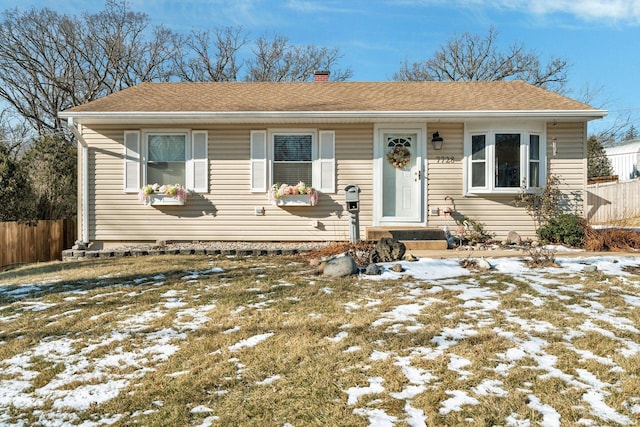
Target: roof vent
[{"x": 321, "y": 76}]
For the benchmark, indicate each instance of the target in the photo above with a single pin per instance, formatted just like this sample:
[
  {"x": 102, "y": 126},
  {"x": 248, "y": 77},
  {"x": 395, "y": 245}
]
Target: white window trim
[
  {"x": 145, "y": 151},
  {"x": 490, "y": 130},
  {"x": 542, "y": 160},
  {"x": 139, "y": 155},
  {"x": 314, "y": 151}
]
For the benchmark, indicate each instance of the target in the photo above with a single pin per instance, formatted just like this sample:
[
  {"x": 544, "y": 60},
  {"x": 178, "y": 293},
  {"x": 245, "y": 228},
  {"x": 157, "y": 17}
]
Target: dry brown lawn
[{"x": 196, "y": 340}]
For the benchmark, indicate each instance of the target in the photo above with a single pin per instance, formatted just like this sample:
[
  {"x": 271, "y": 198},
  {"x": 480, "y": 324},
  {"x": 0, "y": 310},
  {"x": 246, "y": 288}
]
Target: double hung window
[
  {"x": 166, "y": 158},
  {"x": 535, "y": 180},
  {"x": 291, "y": 156}
]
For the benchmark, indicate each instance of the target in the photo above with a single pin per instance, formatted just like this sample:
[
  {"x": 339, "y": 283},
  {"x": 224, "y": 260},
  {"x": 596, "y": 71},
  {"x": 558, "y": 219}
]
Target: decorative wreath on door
[{"x": 399, "y": 156}]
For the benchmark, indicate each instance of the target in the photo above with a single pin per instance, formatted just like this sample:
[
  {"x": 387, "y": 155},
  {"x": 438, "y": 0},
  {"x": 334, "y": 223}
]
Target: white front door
[{"x": 401, "y": 175}]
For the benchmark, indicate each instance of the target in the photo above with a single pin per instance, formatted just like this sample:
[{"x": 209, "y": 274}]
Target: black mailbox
[{"x": 352, "y": 197}]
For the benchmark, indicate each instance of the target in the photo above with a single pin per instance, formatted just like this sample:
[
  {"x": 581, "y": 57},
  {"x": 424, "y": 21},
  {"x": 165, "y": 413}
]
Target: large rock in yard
[
  {"x": 483, "y": 264},
  {"x": 342, "y": 266},
  {"x": 398, "y": 268},
  {"x": 372, "y": 270},
  {"x": 388, "y": 250},
  {"x": 513, "y": 238}
]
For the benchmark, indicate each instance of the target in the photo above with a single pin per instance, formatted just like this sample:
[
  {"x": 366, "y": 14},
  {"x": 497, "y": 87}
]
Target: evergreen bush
[{"x": 564, "y": 228}]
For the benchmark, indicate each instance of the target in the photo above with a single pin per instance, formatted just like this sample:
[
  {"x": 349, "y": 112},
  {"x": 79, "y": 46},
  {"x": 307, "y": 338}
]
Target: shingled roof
[{"x": 331, "y": 97}]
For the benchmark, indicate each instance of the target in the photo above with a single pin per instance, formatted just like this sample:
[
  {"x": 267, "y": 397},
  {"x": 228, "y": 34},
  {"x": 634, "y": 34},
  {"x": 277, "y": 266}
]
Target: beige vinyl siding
[
  {"x": 354, "y": 155},
  {"x": 570, "y": 162},
  {"x": 498, "y": 212},
  {"x": 227, "y": 212}
]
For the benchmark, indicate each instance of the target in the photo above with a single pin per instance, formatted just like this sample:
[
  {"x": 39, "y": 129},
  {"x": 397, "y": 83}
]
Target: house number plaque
[{"x": 445, "y": 159}]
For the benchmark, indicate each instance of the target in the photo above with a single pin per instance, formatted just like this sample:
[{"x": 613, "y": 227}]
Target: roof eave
[{"x": 92, "y": 117}]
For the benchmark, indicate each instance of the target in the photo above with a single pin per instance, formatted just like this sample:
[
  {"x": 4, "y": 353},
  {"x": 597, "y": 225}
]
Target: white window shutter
[
  {"x": 259, "y": 161},
  {"x": 198, "y": 179},
  {"x": 131, "y": 161},
  {"x": 326, "y": 162}
]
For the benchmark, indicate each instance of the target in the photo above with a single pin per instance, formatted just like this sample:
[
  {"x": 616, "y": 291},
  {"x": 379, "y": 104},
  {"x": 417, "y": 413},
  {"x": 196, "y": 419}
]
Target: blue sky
[{"x": 599, "y": 38}]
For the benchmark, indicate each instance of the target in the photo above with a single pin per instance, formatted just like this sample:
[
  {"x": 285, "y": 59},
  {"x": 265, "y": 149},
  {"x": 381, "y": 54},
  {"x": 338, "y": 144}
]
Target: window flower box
[
  {"x": 163, "y": 195},
  {"x": 293, "y": 195},
  {"x": 298, "y": 200},
  {"x": 164, "y": 200}
]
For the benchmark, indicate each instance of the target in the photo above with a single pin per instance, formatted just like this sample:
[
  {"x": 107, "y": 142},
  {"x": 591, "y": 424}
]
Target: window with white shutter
[
  {"x": 198, "y": 178},
  {"x": 166, "y": 158},
  {"x": 259, "y": 161},
  {"x": 326, "y": 181},
  {"x": 291, "y": 157},
  {"x": 131, "y": 161}
]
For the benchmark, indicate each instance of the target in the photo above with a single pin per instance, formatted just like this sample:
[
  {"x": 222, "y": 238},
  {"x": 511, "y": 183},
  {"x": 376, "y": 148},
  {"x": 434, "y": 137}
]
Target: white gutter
[
  {"x": 85, "y": 179},
  {"x": 247, "y": 116}
]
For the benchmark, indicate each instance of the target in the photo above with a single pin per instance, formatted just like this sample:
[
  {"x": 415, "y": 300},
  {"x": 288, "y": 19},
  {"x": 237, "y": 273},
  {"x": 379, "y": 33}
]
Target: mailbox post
[{"x": 352, "y": 200}]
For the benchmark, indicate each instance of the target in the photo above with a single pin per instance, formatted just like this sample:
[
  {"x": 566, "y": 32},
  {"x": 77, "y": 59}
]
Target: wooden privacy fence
[
  {"x": 613, "y": 201},
  {"x": 22, "y": 243}
]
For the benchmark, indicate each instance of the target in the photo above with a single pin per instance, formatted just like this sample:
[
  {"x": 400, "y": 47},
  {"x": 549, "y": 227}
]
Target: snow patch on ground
[{"x": 251, "y": 341}]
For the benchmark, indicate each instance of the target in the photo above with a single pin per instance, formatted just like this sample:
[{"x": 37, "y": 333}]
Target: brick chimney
[{"x": 321, "y": 76}]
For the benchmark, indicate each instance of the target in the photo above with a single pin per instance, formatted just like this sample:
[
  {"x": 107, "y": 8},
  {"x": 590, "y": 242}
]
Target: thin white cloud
[
  {"x": 603, "y": 11},
  {"x": 625, "y": 11},
  {"x": 314, "y": 6},
  {"x": 184, "y": 14}
]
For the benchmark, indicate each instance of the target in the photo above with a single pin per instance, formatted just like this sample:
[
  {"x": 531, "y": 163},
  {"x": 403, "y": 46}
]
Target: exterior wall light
[{"x": 437, "y": 141}]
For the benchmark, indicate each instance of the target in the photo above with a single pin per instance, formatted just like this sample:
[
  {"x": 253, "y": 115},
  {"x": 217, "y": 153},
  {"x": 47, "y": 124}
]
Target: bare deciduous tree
[
  {"x": 618, "y": 126},
  {"x": 592, "y": 94},
  {"x": 277, "y": 60},
  {"x": 50, "y": 62},
  {"x": 14, "y": 133},
  {"x": 123, "y": 49},
  {"x": 616, "y": 130},
  {"x": 31, "y": 67},
  {"x": 470, "y": 57},
  {"x": 212, "y": 59}
]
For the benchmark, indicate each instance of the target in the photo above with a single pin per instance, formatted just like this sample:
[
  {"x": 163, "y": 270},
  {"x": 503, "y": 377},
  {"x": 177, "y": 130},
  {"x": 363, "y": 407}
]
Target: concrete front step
[
  {"x": 414, "y": 238},
  {"x": 425, "y": 245},
  {"x": 405, "y": 233}
]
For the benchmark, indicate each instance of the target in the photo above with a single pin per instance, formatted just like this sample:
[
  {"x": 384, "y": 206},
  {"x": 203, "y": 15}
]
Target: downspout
[{"x": 84, "y": 238}]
